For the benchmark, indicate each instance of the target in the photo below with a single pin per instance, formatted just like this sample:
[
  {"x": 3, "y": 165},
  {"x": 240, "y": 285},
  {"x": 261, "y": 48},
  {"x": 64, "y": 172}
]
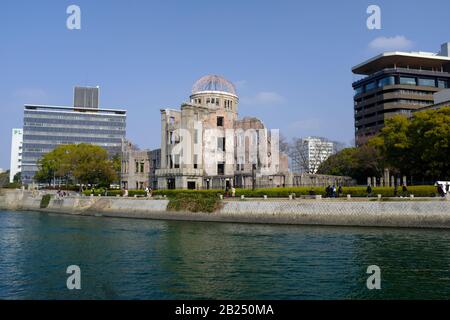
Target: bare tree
[{"x": 284, "y": 144}]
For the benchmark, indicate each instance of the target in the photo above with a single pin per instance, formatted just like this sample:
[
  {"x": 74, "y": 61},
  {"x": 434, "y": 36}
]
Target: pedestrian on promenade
[
  {"x": 334, "y": 191},
  {"x": 233, "y": 191},
  {"x": 369, "y": 190},
  {"x": 340, "y": 191},
  {"x": 440, "y": 191},
  {"x": 405, "y": 191},
  {"x": 328, "y": 191}
]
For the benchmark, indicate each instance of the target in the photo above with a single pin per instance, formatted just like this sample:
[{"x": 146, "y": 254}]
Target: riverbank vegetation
[
  {"x": 194, "y": 202},
  {"x": 416, "y": 147},
  {"x": 45, "y": 201}
]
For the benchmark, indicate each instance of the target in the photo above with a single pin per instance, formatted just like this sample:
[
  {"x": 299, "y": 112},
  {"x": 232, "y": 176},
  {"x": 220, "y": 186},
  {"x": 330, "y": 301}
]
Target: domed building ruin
[{"x": 205, "y": 146}]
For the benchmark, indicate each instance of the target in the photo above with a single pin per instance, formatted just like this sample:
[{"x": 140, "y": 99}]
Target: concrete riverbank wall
[{"x": 409, "y": 213}]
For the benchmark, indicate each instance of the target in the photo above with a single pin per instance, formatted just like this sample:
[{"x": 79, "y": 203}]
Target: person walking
[
  {"x": 328, "y": 191},
  {"x": 334, "y": 191},
  {"x": 404, "y": 190},
  {"x": 440, "y": 191},
  {"x": 369, "y": 190},
  {"x": 340, "y": 191}
]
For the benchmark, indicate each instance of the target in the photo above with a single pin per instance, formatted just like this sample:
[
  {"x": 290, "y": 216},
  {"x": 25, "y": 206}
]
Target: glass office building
[
  {"x": 45, "y": 127},
  {"x": 397, "y": 83}
]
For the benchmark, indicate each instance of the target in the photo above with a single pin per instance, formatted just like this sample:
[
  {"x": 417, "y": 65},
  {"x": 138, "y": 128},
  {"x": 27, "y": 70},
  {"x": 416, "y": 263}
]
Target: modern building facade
[
  {"x": 139, "y": 167},
  {"x": 16, "y": 153},
  {"x": 205, "y": 146},
  {"x": 397, "y": 83},
  {"x": 46, "y": 127},
  {"x": 441, "y": 100},
  {"x": 310, "y": 153}
]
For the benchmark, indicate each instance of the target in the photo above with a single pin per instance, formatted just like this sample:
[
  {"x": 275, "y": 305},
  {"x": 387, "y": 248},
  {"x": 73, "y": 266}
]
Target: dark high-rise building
[
  {"x": 397, "y": 83},
  {"x": 46, "y": 127}
]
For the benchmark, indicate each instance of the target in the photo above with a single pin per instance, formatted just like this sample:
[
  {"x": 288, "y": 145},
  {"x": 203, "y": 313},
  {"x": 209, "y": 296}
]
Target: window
[
  {"x": 221, "y": 169},
  {"x": 172, "y": 120},
  {"x": 142, "y": 167},
  {"x": 407, "y": 80},
  {"x": 191, "y": 185},
  {"x": 427, "y": 82},
  {"x": 370, "y": 86},
  {"x": 388, "y": 81},
  {"x": 220, "y": 121},
  {"x": 177, "y": 161},
  {"x": 221, "y": 144},
  {"x": 195, "y": 136},
  {"x": 195, "y": 161},
  {"x": 442, "y": 84}
]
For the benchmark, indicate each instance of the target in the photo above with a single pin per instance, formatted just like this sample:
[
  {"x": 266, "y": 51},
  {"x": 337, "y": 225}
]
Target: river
[{"x": 144, "y": 259}]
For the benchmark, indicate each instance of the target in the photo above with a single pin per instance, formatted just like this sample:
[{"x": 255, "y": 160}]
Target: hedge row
[
  {"x": 101, "y": 192},
  {"x": 173, "y": 193},
  {"x": 418, "y": 191},
  {"x": 137, "y": 193}
]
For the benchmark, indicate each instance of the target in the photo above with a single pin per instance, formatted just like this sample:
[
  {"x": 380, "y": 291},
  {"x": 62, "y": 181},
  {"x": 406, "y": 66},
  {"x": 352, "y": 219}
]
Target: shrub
[
  {"x": 194, "y": 202},
  {"x": 45, "y": 201},
  {"x": 14, "y": 185}
]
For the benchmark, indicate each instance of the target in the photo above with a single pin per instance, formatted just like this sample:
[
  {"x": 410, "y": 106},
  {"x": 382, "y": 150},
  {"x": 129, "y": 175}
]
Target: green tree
[
  {"x": 4, "y": 178},
  {"x": 17, "y": 177},
  {"x": 117, "y": 166},
  {"x": 82, "y": 163},
  {"x": 418, "y": 146},
  {"x": 92, "y": 166},
  {"x": 358, "y": 163}
]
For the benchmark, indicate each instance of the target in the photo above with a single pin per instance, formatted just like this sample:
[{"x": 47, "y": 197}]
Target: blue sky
[{"x": 291, "y": 60}]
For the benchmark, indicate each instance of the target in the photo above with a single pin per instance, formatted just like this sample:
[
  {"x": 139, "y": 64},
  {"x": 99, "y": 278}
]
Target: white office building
[
  {"x": 16, "y": 153},
  {"x": 309, "y": 153}
]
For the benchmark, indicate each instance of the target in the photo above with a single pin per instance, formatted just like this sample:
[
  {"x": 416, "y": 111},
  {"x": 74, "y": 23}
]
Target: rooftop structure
[{"x": 213, "y": 83}]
